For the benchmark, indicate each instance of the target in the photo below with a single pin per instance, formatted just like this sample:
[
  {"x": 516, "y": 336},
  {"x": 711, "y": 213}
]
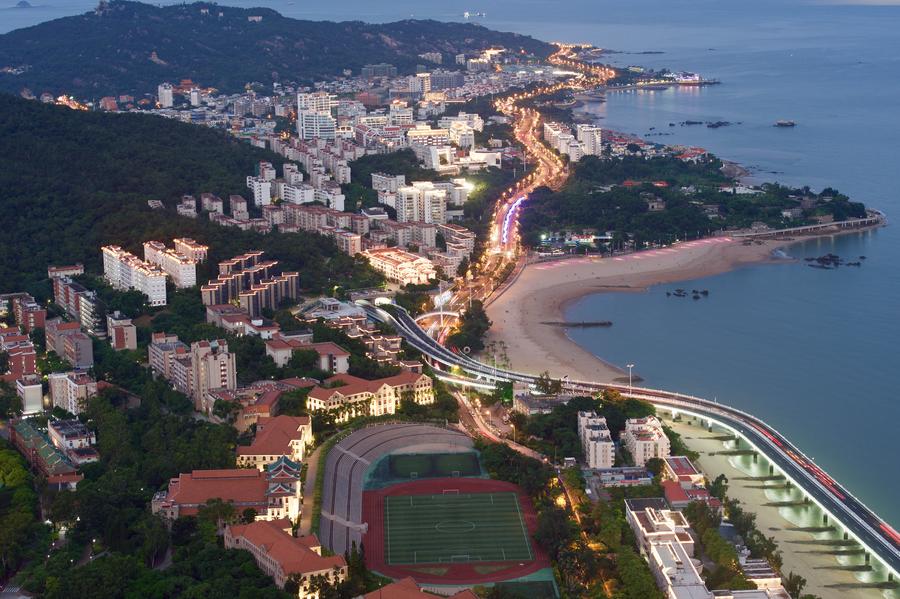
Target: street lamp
[{"x": 630, "y": 380}]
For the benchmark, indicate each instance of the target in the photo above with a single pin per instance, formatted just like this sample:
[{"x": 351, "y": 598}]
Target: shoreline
[
  {"x": 803, "y": 551},
  {"x": 542, "y": 292}
]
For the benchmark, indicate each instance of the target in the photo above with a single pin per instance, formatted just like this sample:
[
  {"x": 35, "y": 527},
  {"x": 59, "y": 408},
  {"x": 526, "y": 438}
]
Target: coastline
[{"x": 542, "y": 292}]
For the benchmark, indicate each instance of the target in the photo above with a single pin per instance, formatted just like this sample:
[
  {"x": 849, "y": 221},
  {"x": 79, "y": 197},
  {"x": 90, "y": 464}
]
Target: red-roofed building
[
  {"x": 407, "y": 588},
  {"x": 332, "y": 357},
  {"x": 259, "y": 399},
  {"x": 348, "y": 396},
  {"x": 681, "y": 470},
  {"x": 284, "y": 557},
  {"x": 274, "y": 493},
  {"x": 275, "y": 437},
  {"x": 679, "y": 498}
]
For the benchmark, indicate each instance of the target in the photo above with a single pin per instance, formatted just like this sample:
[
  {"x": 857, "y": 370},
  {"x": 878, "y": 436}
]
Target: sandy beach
[
  {"x": 804, "y": 553},
  {"x": 544, "y": 289}
]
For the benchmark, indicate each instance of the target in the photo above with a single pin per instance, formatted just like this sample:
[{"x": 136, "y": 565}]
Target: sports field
[
  {"x": 455, "y": 527},
  {"x": 434, "y": 465}
]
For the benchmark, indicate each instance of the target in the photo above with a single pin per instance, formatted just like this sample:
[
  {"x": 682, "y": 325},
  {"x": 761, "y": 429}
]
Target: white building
[
  {"x": 462, "y": 135},
  {"x": 182, "y": 269},
  {"x": 422, "y": 201},
  {"x": 123, "y": 270},
  {"x": 166, "y": 95},
  {"x": 314, "y": 119},
  {"x": 401, "y": 266},
  {"x": 261, "y": 190},
  {"x": 389, "y": 183},
  {"x": 71, "y": 390},
  {"x": 474, "y": 121},
  {"x": 599, "y": 449},
  {"x": 31, "y": 392},
  {"x": 591, "y": 138},
  {"x": 644, "y": 438}
]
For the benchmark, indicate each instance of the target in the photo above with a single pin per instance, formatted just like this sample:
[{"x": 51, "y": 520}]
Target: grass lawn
[{"x": 453, "y": 527}]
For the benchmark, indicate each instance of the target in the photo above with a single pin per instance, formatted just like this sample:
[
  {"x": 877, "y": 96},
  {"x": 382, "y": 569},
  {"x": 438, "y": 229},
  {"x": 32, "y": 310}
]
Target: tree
[
  {"x": 655, "y": 465},
  {"x": 554, "y": 531},
  {"x": 547, "y": 385},
  {"x": 719, "y": 487},
  {"x": 462, "y": 268},
  {"x": 794, "y": 584}
]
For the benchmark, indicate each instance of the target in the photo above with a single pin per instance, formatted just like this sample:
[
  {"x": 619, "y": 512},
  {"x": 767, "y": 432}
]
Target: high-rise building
[
  {"x": 166, "y": 95},
  {"x": 421, "y": 201},
  {"x": 597, "y": 443},
  {"x": 314, "y": 118}
]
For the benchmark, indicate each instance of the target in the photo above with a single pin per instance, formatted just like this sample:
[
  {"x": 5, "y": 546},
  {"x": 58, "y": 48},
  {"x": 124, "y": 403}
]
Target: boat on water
[{"x": 785, "y": 123}]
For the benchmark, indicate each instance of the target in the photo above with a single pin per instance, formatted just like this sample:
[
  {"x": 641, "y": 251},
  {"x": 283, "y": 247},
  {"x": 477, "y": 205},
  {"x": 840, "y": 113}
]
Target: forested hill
[
  {"x": 74, "y": 181},
  {"x": 130, "y": 47}
]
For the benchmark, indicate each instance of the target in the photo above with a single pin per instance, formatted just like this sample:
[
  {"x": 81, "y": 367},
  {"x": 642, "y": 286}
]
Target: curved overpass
[{"x": 860, "y": 522}]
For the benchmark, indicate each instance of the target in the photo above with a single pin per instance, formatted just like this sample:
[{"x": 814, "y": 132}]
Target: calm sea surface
[{"x": 813, "y": 352}]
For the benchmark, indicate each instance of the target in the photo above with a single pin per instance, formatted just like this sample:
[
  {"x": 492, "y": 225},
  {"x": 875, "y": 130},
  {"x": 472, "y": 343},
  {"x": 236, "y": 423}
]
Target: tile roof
[
  {"x": 274, "y": 435},
  {"x": 293, "y": 555}
]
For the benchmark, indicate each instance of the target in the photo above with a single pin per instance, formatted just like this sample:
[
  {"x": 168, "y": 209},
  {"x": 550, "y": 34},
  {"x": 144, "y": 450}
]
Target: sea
[{"x": 813, "y": 352}]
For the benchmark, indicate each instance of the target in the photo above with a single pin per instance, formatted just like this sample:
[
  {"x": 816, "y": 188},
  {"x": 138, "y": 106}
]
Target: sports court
[{"x": 454, "y": 527}]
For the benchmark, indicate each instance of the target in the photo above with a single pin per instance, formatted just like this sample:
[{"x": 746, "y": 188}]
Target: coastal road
[{"x": 860, "y": 522}]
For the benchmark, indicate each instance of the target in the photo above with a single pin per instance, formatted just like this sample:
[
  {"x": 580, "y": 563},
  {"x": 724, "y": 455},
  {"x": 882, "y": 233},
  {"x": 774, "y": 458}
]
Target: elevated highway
[{"x": 839, "y": 506}]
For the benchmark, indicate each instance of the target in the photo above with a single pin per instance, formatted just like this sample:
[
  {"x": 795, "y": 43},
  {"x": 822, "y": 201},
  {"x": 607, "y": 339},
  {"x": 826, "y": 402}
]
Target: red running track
[{"x": 456, "y": 573}]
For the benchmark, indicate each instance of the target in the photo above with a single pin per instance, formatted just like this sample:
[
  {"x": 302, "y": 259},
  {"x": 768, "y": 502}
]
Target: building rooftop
[
  {"x": 295, "y": 555},
  {"x": 274, "y": 435}
]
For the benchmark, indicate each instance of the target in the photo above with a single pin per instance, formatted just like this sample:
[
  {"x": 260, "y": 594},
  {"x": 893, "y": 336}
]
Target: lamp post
[{"x": 630, "y": 379}]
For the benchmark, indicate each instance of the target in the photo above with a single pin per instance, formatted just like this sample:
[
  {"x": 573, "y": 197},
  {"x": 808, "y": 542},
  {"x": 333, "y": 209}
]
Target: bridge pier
[
  {"x": 771, "y": 469},
  {"x": 868, "y": 557},
  {"x": 755, "y": 457},
  {"x": 824, "y": 518}
]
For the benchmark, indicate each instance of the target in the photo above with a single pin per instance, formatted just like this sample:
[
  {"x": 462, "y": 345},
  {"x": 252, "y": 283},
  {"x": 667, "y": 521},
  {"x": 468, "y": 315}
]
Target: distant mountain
[{"x": 130, "y": 47}]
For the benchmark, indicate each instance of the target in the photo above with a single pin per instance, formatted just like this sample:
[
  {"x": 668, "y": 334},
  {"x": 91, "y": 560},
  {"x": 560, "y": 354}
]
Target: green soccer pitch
[{"x": 453, "y": 527}]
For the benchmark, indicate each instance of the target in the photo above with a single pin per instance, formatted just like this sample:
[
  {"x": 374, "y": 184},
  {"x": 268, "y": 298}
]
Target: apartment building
[
  {"x": 182, "y": 269},
  {"x": 121, "y": 331},
  {"x": 275, "y": 437},
  {"x": 596, "y": 441},
  {"x": 401, "y": 266},
  {"x": 644, "y": 438},
  {"x": 20, "y": 354},
  {"x": 209, "y": 365},
  {"x": 162, "y": 351},
  {"x": 284, "y": 557},
  {"x": 197, "y": 251},
  {"x": 422, "y": 201},
  {"x": 123, "y": 270},
  {"x": 81, "y": 305},
  {"x": 69, "y": 343},
  {"x": 71, "y": 390},
  {"x": 385, "y": 182},
  {"x": 28, "y": 314}
]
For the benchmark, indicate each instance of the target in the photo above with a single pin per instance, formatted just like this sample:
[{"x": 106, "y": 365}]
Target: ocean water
[{"x": 813, "y": 352}]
